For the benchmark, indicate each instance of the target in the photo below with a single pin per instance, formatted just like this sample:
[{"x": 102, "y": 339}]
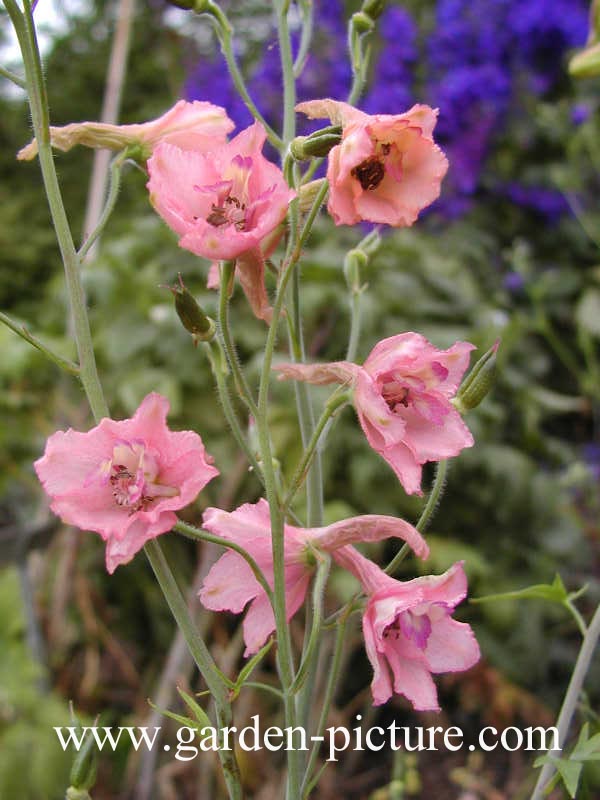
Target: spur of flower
[
  {"x": 224, "y": 205},
  {"x": 387, "y": 168},
  {"x": 231, "y": 585},
  {"x": 409, "y": 631},
  {"x": 125, "y": 479},
  {"x": 192, "y": 126},
  {"x": 402, "y": 395}
]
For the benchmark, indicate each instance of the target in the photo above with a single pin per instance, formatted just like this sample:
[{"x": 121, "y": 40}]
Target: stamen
[{"x": 369, "y": 172}]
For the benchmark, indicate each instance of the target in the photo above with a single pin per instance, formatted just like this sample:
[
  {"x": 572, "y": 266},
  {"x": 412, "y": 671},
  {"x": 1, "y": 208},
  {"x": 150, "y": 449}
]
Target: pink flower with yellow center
[
  {"x": 409, "y": 631},
  {"x": 387, "y": 167},
  {"x": 231, "y": 585},
  {"x": 402, "y": 395},
  {"x": 224, "y": 205},
  {"x": 125, "y": 479}
]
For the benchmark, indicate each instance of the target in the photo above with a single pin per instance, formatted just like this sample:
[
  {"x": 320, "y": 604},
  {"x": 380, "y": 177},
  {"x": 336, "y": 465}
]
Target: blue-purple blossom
[{"x": 477, "y": 64}]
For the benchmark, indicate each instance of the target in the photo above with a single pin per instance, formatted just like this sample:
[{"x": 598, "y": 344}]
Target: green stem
[
  {"x": 567, "y": 710},
  {"x": 224, "y": 31},
  {"x": 435, "y": 495},
  {"x": 241, "y": 384},
  {"x": 287, "y": 68},
  {"x": 217, "y": 360},
  {"x": 6, "y": 73},
  {"x": 22, "y": 331},
  {"x": 285, "y": 657},
  {"x": 305, "y": 36},
  {"x": 327, "y": 700},
  {"x": 215, "y": 681},
  {"x": 355, "y": 324},
  {"x": 311, "y": 649},
  {"x": 113, "y": 193},
  {"x": 199, "y": 534},
  {"x": 338, "y": 400},
  {"x": 38, "y": 104}
]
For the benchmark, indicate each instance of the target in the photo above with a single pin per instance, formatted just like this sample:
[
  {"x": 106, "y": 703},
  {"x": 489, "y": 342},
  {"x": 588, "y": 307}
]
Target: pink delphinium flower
[
  {"x": 125, "y": 479},
  {"x": 197, "y": 126},
  {"x": 387, "y": 167},
  {"x": 409, "y": 631},
  {"x": 402, "y": 397},
  {"x": 224, "y": 204},
  {"x": 230, "y": 585}
]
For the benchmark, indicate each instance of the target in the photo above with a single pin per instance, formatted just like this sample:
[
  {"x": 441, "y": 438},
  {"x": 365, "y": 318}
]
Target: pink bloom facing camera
[
  {"x": 223, "y": 204},
  {"x": 387, "y": 167},
  {"x": 125, "y": 479}
]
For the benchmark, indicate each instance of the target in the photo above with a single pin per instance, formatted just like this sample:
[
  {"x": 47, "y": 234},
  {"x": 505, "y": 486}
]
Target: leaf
[
  {"x": 249, "y": 667},
  {"x": 200, "y": 713},
  {"x": 554, "y": 592},
  {"x": 187, "y": 721},
  {"x": 570, "y": 772}
]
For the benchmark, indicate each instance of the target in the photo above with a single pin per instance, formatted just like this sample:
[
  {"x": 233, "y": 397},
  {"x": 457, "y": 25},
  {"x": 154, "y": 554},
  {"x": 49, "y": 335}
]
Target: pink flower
[
  {"x": 402, "y": 398},
  {"x": 124, "y": 480},
  {"x": 230, "y": 585},
  {"x": 223, "y": 204},
  {"x": 409, "y": 631},
  {"x": 197, "y": 126},
  {"x": 387, "y": 167}
]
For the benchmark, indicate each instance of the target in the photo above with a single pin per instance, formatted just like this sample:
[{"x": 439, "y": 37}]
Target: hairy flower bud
[
  {"x": 479, "y": 381},
  {"x": 373, "y": 8},
  {"x": 586, "y": 63},
  {"x": 362, "y": 22},
  {"x": 318, "y": 144},
  {"x": 83, "y": 771},
  {"x": 192, "y": 317}
]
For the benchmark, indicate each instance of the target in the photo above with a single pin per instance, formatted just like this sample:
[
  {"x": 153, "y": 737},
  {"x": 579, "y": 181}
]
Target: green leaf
[
  {"x": 200, "y": 713},
  {"x": 570, "y": 772},
  {"x": 249, "y": 667},
  {"x": 187, "y": 721},
  {"x": 554, "y": 592}
]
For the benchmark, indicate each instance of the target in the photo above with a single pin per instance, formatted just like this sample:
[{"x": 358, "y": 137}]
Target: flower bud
[
  {"x": 307, "y": 194},
  {"x": 373, "y": 8},
  {"x": 193, "y": 319},
  {"x": 478, "y": 382},
  {"x": 354, "y": 261},
  {"x": 83, "y": 771},
  {"x": 317, "y": 144},
  {"x": 586, "y": 63},
  {"x": 362, "y": 22}
]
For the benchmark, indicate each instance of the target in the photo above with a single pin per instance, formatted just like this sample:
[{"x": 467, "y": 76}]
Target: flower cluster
[
  {"x": 126, "y": 479},
  {"x": 482, "y": 55}
]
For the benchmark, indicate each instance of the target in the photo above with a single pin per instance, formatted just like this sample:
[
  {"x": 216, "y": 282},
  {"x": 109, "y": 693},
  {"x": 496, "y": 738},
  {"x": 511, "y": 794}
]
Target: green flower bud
[
  {"x": 354, "y": 261},
  {"x": 83, "y": 771},
  {"x": 307, "y": 194},
  {"x": 362, "y": 23},
  {"x": 586, "y": 63},
  {"x": 317, "y": 144},
  {"x": 373, "y": 8},
  {"x": 193, "y": 319},
  {"x": 478, "y": 382}
]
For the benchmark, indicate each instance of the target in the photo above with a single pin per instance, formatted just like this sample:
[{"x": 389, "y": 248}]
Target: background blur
[{"x": 511, "y": 250}]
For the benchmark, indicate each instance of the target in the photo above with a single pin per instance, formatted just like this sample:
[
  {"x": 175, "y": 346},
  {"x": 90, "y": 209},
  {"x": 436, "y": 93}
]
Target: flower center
[
  {"x": 415, "y": 624},
  {"x": 369, "y": 173},
  {"x": 395, "y": 394},
  {"x": 231, "y": 212},
  {"x": 132, "y": 473}
]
